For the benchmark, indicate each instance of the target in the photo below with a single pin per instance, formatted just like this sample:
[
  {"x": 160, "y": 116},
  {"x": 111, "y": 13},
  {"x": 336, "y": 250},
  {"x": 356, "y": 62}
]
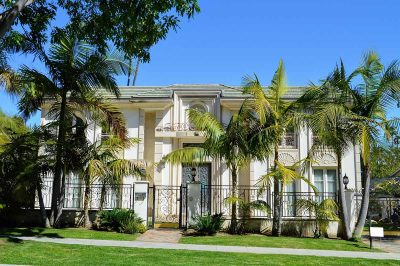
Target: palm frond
[{"x": 188, "y": 155}]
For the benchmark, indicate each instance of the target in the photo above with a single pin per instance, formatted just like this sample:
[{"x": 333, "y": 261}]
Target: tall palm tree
[
  {"x": 74, "y": 72},
  {"x": 227, "y": 144},
  {"x": 378, "y": 93},
  {"x": 275, "y": 116},
  {"x": 332, "y": 122},
  {"x": 103, "y": 164}
]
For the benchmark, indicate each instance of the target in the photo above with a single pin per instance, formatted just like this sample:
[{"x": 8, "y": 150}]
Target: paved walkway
[
  {"x": 161, "y": 236},
  {"x": 233, "y": 249},
  {"x": 388, "y": 244}
]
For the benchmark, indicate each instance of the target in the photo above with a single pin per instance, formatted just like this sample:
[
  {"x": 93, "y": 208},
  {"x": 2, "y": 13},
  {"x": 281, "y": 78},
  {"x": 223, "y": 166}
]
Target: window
[
  {"x": 331, "y": 179},
  {"x": 199, "y": 106},
  {"x": 325, "y": 180},
  {"x": 319, "y": 179}
]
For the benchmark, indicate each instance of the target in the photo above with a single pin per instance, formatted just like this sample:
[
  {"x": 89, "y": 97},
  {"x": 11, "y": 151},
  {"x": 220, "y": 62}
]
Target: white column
[
  {"x": 351, "y": 208},
  {"x": 141, "y": 200}
]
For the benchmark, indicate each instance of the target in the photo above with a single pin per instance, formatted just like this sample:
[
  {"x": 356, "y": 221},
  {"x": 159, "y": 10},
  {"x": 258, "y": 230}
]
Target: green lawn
[
  {"x": 34, "y": 253},
  {"x": 275, "y": 242},
  {"x": 66, "y": 233}
]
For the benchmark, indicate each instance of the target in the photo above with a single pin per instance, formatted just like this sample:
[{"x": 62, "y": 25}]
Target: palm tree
[
  {"x": 332, "y": 122},
  {"x": 245, "y": 209},
  {"x": 275, "y": 116},
  {"x": 228, "y": 144},
  {"x": 75, "y": 71},
  {"x": 375, "y": 97},
  {"x": 103, "y": 164},
  {"x": 22, "y": 167},
  {"x": 324, "y": 211}
]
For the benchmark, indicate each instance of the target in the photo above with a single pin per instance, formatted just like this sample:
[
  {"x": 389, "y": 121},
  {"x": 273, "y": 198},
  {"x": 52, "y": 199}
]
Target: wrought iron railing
[
  {"x": 383, "y": 206},
  {"x": 115, "y": 196},
  {"x": 290, "y": 202},
  {"x": 176, "y": 127},
  {"x": 289, "y": 141},
  {"x": 215, "y": 199}
]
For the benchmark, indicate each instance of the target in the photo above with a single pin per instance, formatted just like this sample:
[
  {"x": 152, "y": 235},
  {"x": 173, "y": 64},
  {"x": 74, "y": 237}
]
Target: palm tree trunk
[
  {"x": 129, "y": 71},
  {"x": 57, "y": 184},
  {"x": 87, "y": 222},
  {"x": 233, "y": 225},
  {"x": 45, "y": 220},
  {"x": 101, "y": 204},
  {"x": 62, "y": 197},
  {"x": 342, "y": 201},
  {"x": 136, "y": 72},
  {"x": 277, "y": 219},
  {"x": 362, "y": 216}
]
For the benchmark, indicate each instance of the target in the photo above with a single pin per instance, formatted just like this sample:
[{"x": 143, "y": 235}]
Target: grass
[
  {"x": 274, "y": 242},
  {"x": 67, "y": 233},
  {"x": 34, "y": 253}
]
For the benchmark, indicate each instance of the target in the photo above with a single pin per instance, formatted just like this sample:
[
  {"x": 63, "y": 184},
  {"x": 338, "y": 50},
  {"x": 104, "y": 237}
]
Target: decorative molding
[
  {"x": 287, "y": 159},
  {"x": 326, "y": 159}
]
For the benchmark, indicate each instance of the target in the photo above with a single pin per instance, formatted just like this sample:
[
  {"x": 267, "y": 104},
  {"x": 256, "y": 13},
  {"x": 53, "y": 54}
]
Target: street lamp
[
  {"x": 193, "y": 173},
  {"x": 345, "y": 181}
]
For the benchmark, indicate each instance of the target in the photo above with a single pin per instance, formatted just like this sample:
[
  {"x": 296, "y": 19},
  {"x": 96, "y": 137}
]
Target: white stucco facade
[{"x": 157, "y": 116}]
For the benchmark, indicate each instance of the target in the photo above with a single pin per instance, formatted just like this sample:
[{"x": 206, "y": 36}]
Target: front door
[{"x": 199, "y": 173}]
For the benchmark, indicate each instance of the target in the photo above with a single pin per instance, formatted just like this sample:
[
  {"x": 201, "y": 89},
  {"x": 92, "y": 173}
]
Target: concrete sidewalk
[{"x": 234, "y": 249}]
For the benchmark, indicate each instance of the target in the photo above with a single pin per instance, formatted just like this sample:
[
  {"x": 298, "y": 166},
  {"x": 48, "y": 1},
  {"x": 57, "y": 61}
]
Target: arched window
[{"x": 199, "y": 106}]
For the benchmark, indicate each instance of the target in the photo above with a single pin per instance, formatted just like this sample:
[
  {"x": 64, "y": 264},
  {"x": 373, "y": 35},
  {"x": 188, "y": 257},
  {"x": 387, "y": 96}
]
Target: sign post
[{"x": 375, "y": 232}]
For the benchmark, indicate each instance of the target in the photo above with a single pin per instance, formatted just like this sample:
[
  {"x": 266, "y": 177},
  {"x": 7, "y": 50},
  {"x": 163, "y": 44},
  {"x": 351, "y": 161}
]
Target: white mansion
[{"x": 158, "y": 117}]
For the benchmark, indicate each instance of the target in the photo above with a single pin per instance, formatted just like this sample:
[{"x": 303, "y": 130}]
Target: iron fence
[
  {"x": 110, "y": 196},
  {"x": 290, "y": 202},
  {"x": 216, "y": 199},
  {"x": 384, "y": 207}
]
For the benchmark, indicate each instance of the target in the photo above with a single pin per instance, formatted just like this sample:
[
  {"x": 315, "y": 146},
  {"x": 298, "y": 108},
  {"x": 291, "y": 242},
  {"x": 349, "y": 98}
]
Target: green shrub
[
  {"x": 209, "y": 224},
  {"x": 121, "y": 220}
]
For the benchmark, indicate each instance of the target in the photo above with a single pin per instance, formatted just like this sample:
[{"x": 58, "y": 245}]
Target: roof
[{"x": 227, "y": 91}]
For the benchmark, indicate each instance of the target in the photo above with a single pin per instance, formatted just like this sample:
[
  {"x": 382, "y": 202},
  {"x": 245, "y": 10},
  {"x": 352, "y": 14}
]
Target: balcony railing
[
  {"x": 289, "y": 141},
  {"x": 176, "y": 127}
]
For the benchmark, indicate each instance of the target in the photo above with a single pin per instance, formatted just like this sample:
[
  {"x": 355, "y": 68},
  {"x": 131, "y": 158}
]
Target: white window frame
[{"x": 325, "y": 178}]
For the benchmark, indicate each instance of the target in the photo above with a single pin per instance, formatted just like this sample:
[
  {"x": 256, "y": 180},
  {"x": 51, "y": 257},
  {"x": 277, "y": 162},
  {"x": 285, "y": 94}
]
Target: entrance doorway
[{"x": 199, "y": 173}]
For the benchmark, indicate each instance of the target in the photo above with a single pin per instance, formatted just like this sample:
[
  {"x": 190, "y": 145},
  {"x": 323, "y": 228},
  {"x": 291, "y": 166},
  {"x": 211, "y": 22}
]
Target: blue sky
[{"x": 232, "y": 38}]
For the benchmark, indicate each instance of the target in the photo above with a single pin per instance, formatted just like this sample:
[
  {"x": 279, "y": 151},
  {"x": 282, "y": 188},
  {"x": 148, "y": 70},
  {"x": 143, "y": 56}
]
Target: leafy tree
[
  {"x": 228, "y": 144},
  {"x": 383, "y": 162},
  {"x": 132, "y": 26},
  {"x": 324, "y": 212},
  {"x": 75, "y": 71},
  {"x": 25, "y": 19}
]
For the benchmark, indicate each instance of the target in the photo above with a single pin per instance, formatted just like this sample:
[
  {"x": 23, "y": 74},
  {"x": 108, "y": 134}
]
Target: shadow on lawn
[{"x": 31, "y": 231}]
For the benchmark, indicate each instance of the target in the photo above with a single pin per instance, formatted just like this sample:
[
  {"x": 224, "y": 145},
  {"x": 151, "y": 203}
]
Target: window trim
[{"x": 325, "y": 178}]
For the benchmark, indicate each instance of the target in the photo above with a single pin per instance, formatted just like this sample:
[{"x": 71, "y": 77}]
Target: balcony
[
  {"x": 177, "y": 130},
  {"x": 289, "y": 141}
]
